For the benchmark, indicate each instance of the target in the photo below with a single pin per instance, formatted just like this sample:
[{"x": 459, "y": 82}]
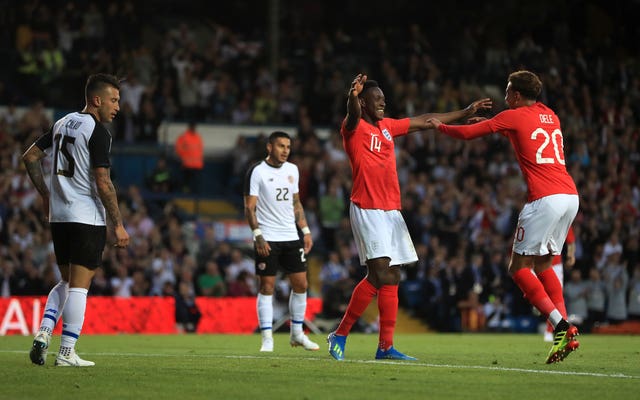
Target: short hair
[
  {"x": 97, "y": 82},
  {"x": 369, "y": 84},
  {"x": 278, "y": 134},
  {"x": 527, "y": 83}
]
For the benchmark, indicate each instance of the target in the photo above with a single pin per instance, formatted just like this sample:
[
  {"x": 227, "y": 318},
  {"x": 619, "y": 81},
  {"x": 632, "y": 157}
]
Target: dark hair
[
  {"x": 527, "y": 83},
  {"x": 369, "y": 84},
  {"x": 98, "y": 82},
  {"x": 278, "y": 134}
]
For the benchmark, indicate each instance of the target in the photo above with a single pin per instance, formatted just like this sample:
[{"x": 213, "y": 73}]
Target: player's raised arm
[{"x": 354, "y": 112}]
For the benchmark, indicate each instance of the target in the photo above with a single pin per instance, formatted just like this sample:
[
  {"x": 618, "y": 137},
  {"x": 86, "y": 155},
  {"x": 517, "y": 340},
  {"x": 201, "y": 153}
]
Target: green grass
[{"x": 450, "y": 366}]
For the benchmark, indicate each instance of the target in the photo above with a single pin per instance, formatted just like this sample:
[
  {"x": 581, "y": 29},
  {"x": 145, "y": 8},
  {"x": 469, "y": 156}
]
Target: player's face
[
  {"x": 511, "y": 96},
  {"x": 374, "y": 104},
  {"x": 109, "y": 104},
  {"x": 279, "y": 150}
]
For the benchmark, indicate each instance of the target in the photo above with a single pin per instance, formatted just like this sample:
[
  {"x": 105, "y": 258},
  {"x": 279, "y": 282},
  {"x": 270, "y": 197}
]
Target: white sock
[
  {"x": 73, "y": 318},
  {"x": 55, "y": 302},
  {"x": 297, "y": 309},
  {"x": 555, "y": 317},
  {"x": 264, "y": 305}
]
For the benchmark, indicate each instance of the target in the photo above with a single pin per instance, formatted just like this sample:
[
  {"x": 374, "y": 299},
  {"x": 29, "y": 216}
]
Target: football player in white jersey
[
  {"x": 273, "y": 209},
  {"x": 78, "y": 200}
]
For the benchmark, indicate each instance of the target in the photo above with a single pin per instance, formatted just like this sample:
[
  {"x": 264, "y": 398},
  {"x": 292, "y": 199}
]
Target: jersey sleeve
[
  {"x": 399, "y": 127},
  {"x": 45, "y": 141},
  {"x": 468, "y": 132},
  {"x": 100, "y": 147},
  {"x": 251, "y": 187},
  {"x": 296, "y": 179}
]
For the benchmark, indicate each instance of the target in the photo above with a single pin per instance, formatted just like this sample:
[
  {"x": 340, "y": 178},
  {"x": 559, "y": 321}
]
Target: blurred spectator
[
  {"x": 162, "y": 271},
  {"x": 332, "y": 210},
  {"x": 239, "y": 263},
  {"x": 100, "y": 285},
  {"x": 616, "y": 280},
  {"x": 596, "y": 298},
  {"x": 121, "y": 283},
  {"x": 575, "y": 294},
  {"x": 190, "y": 149},
  {"x": 187, "y": 312},
  {"x": 634, "y": 295},
  {"x": 211, "y": 283},
  {"x": 242, "y": 286}
]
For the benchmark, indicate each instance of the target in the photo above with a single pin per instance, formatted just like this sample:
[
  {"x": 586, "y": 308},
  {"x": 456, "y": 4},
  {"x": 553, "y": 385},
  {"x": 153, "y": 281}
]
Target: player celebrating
[
  {"x": 273, "y": 209},
  {"x": 380, "y": 233},
  {"x": 558, "y": 268},
  {"x": 552, "y": 204}
]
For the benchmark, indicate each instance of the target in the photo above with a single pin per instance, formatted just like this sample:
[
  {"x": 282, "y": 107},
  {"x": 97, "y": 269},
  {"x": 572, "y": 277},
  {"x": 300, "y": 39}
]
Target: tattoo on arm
[
  {"x": 250, "y": 213},
  {"x": 34, "y": 169},
  {"x": 108, "y": 196},
  {"x": 298, "y": 212}
]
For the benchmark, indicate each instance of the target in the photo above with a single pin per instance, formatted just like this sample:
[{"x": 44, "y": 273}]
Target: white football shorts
[
  {"x": 543, "y": 225},
  {"x": 380, "y": 233}
]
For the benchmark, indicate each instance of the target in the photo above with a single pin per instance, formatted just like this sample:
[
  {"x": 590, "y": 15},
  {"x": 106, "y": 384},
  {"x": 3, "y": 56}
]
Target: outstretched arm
[
  {"x": 465, "y": 132},
  {"x": 354, "y": 112},
  {"x": 421, "y": 122}
]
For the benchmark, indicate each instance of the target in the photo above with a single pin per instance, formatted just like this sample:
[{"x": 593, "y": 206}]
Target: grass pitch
[{"x": 449, "y": 366}]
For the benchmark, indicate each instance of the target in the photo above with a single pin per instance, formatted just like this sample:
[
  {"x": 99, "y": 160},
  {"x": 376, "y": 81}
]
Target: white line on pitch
[{"x": 403, "y": 363}]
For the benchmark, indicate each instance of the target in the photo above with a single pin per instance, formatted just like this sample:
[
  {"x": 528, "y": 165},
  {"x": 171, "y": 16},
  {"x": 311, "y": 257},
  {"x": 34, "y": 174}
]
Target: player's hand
[
  {"x": 482, "y": 104},
  {"x": 308, "y": 243},
  {"x": 262, "y": 246},
  {"x": 357, "y": 85},
  {"x": 122, "y": 237},
  {"x": 433, "y": 123}
]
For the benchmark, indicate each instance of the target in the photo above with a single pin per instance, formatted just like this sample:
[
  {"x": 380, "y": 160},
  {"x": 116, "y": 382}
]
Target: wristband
[
  {"x": 257, "y": 232},
  {"x": 305, "y": 230}
]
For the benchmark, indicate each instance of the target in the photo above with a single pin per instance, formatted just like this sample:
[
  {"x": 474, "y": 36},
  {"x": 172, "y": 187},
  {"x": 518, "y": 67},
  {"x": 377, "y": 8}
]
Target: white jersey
[
  {"x": 78, "y": 144},
  {"x": 274, "y": 187}
]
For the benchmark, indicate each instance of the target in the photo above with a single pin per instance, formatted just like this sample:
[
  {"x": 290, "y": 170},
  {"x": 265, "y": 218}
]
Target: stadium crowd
[{"x": 460, "y": 200}]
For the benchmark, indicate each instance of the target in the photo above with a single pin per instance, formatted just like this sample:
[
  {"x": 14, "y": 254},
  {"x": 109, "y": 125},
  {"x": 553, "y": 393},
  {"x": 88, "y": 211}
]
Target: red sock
[
  {"x": 360, "y": 299},
  {"x": 552, "y": 286},
  {"x": 533, "y": 291},
  {"x": 388, "y": 309}
]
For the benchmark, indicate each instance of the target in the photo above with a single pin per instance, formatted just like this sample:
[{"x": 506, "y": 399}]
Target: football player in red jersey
[
  {"x": 552, "y": 203},
  {"x": 380, "y": 233}
]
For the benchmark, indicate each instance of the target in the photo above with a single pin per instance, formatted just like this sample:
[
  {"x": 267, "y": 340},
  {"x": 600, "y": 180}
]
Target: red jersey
[
  {"x": 372, "y": 157},
  {"x": 534, "y": 132}
]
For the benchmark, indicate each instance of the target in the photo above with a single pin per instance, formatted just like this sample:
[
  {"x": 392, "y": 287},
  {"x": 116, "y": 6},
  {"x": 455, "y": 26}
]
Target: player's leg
[
  {"x": 264, "y": 308},
  {"x": 85, "y": 257},
  {"x": 298, "y": 309},
  {"x": 387, "y": 278},
  {"x": 564, "y": 334},
  {"x": 57, "y": 296},
  {"x": 520, "y": 268},
  {"x": 53, "y": 309},
  {"x": 368, "y": 226},
  {"x": 558, "y": 268},
  {"x": 548, "y": 276},
  {"x": 266, "y": 271}
]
